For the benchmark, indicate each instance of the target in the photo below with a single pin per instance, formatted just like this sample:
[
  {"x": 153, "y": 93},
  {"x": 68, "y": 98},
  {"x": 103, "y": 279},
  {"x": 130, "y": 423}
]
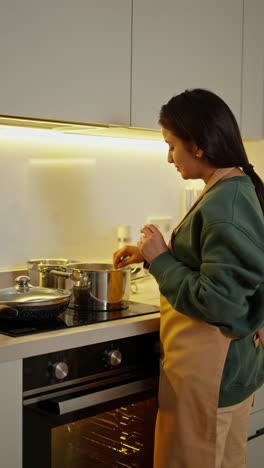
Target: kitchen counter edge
[{"x": 12, "y": 349}]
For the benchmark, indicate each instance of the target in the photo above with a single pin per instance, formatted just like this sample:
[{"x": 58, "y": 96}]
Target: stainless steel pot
[
  {"x": 39, "y": 272},
  {"x": 97, "y": 286},
  {"x": 26, "y": 302}
]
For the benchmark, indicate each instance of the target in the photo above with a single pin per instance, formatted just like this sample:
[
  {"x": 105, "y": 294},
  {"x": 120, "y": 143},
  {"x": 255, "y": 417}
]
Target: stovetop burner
[{"x": 73, "y": 318}]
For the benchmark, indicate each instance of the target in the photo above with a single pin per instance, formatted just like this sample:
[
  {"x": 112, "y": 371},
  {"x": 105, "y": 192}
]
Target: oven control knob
[
  {"x": 60, "y": 370},
  {"x": 113, "y": 357}
]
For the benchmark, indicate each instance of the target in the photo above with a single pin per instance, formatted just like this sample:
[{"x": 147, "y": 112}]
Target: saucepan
[
  {"x": 39, "y": 272},
  {"x": 26, "y": 302},
  {"x": 97, "y": 286}
]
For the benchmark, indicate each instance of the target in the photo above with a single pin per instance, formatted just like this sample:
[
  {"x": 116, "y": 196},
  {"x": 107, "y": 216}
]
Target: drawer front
[
  {"x": 256, "y": 423},
  {"x": 259, "y": 401},
  {"x": 255, "y": 453}
]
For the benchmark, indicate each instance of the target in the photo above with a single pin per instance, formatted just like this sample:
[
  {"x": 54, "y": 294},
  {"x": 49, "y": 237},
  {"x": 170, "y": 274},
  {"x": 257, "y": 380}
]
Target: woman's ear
[{"x": 199, "y": 153}]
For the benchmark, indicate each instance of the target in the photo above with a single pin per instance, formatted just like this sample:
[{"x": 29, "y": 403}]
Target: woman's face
[{"x": 186, "y": 160}]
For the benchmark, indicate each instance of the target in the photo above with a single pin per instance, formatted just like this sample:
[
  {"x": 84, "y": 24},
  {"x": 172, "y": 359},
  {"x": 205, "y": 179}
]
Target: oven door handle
[{"x": 65, "y": 406}]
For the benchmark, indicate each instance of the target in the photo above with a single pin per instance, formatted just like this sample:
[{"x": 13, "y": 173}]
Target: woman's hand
[
  {"x": 152, "y": 243},
  {"x": 126, "y": 255}
]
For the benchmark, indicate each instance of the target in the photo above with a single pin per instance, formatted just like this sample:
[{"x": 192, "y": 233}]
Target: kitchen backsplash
[
  {"x": 255, "y": 152},
  {"x": 65, "y": 195}
]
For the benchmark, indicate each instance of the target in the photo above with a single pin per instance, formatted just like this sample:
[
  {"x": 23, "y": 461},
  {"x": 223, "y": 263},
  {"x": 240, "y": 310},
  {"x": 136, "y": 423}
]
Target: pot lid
[{"x": 24, "y": 292}]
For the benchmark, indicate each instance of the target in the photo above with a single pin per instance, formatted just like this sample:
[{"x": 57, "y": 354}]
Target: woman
[{"x": 211, "y": 280}]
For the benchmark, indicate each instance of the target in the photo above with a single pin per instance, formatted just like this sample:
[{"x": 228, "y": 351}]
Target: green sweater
[{"x": 216, "y": 274}]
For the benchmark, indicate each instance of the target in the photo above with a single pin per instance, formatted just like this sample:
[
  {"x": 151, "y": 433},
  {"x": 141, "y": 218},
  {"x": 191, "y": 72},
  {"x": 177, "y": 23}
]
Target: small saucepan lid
[
  {"x": 24, "y": 301},
  {"x": 23, "y": 292}
]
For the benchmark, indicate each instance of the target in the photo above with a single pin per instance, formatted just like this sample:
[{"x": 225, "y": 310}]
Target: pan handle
[
  {"x": 7, "y": 312},
  {"x": 73, "y": 276}
]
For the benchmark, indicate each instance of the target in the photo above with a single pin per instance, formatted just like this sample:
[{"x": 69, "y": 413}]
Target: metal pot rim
[
  {"x": 44, "y": 263},
  {"x": 31, "y": 303},
  {"x": 95, "y": 267}
]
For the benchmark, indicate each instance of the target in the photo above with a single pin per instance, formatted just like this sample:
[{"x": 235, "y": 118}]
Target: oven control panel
[
  {"x": 60, "y": 370},
  {"x": 91, "y": 362},
  {"x": 113, "y": 357}
]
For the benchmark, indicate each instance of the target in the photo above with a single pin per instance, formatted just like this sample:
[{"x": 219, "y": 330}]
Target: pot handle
[
  {"x": 65, "y": 274},
  {"x": 7, "y": 312}
]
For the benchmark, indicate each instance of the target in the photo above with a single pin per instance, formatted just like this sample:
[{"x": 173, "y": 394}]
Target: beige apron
[{"x": 192, "y": 362}]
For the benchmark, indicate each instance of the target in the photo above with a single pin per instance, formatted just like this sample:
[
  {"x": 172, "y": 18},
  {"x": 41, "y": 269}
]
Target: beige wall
[
  {"x": 255, "y": 152},
  {"x": 64, "y": 195}
]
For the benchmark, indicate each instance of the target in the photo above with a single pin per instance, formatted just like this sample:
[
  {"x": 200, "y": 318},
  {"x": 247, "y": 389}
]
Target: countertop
[
  {"x": 12, "y": 349},
  {"x": 144, "y": 291}
]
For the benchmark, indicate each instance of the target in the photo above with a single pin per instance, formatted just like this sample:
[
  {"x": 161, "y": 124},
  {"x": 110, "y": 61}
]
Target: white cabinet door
[
  {"x": 253, "y": 70},
  {"x": 64, "y": 59},
  {"x": 255, "y": 453},
  {"x": 11, "y": 414},
  {"x": 180, "y": 44}
]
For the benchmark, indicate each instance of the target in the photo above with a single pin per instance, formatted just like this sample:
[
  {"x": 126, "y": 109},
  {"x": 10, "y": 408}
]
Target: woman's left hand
[{"x": 152, "y": 243}]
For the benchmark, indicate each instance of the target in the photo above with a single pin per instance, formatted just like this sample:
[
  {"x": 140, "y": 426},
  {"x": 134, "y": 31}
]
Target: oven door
[{"x": 107, "y": 427}]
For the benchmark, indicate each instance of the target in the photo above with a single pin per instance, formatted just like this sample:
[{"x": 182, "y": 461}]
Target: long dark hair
[{"x": 200, "y": 116}]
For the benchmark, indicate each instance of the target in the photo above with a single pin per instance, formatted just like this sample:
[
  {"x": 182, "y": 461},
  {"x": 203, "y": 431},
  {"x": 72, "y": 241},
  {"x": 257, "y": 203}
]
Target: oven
[{"x": 93, "y": 406}]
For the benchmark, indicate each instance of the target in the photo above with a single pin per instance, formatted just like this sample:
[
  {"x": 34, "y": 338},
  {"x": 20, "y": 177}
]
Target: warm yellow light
[
  {"x": 22, "y": 126},
  {"x": 62, "y": 162},
  {"x": 47, "y": 136},
  {"x": 20, "y": 132}
]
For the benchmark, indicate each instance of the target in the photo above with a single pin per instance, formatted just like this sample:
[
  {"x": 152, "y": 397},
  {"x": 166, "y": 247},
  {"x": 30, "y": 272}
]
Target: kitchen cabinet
[
  {"x": 255, "y": 452},
  {"x": 253, "y": 70},
  {"x": 72, "y": 61},
  {"x": 11, "y": 414},
  {"x": 66, "y": 60},
  {"x": 183, "y": 44}
]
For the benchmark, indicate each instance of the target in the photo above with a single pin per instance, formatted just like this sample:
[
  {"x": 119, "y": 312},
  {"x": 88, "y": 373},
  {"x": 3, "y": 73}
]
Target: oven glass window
[{"x": 121, "y": 438}]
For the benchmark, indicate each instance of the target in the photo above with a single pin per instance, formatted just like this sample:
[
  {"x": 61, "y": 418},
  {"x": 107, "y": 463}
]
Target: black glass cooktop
[{"x": 73, "y": 318}]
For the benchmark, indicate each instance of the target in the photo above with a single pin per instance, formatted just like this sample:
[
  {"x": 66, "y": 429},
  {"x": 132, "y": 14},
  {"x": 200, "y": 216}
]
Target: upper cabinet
[
  {"x": 66, "y": 60},
  {"x": 253, "y": 70},
  {"x": 118, "y": 61},
  {"x": 184, "y": 44}
]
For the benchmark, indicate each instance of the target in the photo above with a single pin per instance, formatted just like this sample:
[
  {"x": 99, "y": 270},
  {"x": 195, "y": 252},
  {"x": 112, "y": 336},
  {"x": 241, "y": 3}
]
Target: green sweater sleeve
[{"x": 219, "y": 292}]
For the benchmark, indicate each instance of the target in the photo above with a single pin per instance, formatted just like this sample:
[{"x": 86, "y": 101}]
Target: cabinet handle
[
  {"x": 65, "y": 406},
  {"x": 260, "y": 431}
]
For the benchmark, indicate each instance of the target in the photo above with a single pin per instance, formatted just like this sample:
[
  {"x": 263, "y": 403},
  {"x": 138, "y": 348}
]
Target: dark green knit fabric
[{"x": 216, "y": 274}]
